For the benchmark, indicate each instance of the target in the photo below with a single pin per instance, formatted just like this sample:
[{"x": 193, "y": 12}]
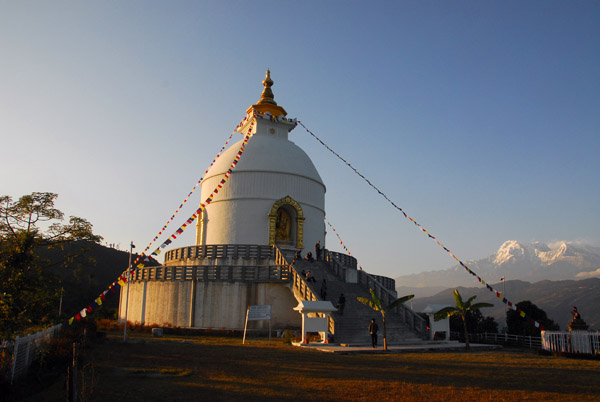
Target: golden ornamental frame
[{"x": 287, "y": 200}]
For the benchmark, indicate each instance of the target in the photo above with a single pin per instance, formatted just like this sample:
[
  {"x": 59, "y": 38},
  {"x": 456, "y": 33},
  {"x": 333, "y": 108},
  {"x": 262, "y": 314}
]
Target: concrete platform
[{"x": 447, "y": 346}]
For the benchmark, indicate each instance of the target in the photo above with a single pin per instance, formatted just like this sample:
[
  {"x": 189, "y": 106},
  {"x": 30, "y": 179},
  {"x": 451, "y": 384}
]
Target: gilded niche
[{"x": 281, "y": 223}]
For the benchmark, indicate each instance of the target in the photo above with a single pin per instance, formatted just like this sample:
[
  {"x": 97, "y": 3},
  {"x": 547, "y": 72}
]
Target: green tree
[
  {"x": 376, "y": 305},
  {"x": 462, "y": 310},
  {"x": 517, "y": 325},
  {"x": 27, "y": 226},
  {"x": 476, "y": 323}
]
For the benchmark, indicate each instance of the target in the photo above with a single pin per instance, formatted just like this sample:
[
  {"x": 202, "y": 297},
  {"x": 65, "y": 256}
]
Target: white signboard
[{"x": 256, "y": 313}]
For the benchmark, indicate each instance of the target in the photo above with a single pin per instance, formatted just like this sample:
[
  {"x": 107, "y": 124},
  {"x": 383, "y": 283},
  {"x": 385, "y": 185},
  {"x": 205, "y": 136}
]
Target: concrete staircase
[{"x": 351, "y": 327}]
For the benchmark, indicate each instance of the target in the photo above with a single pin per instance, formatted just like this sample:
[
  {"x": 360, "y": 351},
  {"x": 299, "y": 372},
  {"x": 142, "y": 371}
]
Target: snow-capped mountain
[{"x": 518, "y": 261}]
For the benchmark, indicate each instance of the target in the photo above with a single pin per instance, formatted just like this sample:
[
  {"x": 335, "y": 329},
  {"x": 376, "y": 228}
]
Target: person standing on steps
[
  {"x": 373, "y": 328},
  {"x": 318, "y": 250},
  {"x": 341, "y": 304}
]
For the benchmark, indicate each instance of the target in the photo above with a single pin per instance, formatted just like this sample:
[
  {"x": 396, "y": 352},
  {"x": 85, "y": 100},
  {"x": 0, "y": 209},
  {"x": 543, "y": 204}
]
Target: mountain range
[
  {"x": 553, "y": 276},
  {"x": 514, "y": 260}
]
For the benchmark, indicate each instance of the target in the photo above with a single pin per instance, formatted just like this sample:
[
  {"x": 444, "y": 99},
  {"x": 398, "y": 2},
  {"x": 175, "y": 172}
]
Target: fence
[
  {"x": 532, "y": 342},
  {"x": 23, "y": 350},
  {"x": 572, "y": 342}
]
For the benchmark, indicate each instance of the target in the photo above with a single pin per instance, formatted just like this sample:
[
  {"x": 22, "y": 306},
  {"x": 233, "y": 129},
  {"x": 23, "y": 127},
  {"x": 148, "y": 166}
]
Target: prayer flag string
[
  {"x": 160, "y": 232},
  {"x": 422, "y": 229},
  {"x": 341, "y": 242},
  {"x": 124, "y": 277}
]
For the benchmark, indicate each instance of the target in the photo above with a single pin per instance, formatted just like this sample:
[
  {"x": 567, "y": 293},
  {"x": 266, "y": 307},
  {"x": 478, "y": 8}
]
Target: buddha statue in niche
[{"x": 283, "y": 225}]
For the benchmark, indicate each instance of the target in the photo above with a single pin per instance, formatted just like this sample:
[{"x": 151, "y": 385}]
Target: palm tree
[
  {"x": 376, "y": 305},
  {"x": 462, "y": 308}
]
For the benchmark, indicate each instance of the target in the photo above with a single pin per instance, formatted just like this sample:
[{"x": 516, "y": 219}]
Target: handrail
[
  {"x": 299, "y": 286},
  {"x": 343, "y": 259},
  {"x": 415, "y": 321},
  {"x": 338, "y": 262},
  {"x": 499, "y": 339},
  {"x": 387, "y": 283},
  {"x": 334, "y": 264}
]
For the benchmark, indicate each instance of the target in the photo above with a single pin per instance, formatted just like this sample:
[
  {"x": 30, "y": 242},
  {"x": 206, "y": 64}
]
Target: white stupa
[
  {"x": 275, "y": 194},
  {"x": 271, "y": 207}
]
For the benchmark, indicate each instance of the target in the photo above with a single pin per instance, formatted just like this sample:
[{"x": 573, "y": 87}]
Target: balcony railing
[
  {"x": 257, "y": 273},
  {"x": 246, "y": 251}
]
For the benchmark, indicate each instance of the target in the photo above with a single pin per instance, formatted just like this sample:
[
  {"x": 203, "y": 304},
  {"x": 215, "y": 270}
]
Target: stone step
[{"x": 352, "y": 325}]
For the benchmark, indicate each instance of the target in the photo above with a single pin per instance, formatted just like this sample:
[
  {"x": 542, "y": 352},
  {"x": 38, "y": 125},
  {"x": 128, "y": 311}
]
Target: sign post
[{"x": 258, "y": 313}]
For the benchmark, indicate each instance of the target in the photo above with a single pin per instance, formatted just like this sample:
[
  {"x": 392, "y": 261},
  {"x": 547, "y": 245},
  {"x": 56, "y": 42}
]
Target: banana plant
[
  {"x": 462, "y": 309},
  {"x": 376, "y": 305}
]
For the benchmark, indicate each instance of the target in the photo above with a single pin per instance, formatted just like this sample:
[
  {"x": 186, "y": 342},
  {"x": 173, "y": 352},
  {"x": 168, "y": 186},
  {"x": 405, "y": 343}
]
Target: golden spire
[
  {"x": 267, "y": 102},
  {"x": 267, "y": 93}
]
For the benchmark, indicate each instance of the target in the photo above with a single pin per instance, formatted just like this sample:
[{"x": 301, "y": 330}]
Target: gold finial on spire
[
  {"x": 267, "y": 100},
  {"x": 267, "y": 93}
]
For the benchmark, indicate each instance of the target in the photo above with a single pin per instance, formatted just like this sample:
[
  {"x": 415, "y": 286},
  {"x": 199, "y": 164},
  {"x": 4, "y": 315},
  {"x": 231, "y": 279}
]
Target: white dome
[
  {"x": 272, "y": 172},
  {"x": 267, "y": 154}
]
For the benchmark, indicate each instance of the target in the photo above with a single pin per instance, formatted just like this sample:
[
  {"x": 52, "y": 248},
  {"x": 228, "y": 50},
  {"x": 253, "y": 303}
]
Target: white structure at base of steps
[{"x": 317, "y": 322}]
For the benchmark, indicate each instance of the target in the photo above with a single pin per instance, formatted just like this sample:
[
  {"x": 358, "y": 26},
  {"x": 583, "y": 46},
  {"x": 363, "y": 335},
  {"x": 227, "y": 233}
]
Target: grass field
[{"x": 205, "y": 368}]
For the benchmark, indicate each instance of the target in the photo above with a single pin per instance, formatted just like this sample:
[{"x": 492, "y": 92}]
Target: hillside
[
  {"x": 557, "y": 298},
  {"x": 85, "y": 270}
]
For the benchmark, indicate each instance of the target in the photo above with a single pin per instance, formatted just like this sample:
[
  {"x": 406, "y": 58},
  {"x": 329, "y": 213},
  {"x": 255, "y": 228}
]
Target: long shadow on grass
[{"x": 228, "y": 372}]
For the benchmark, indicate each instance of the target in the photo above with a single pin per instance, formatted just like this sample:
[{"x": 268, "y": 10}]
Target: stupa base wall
[{"x": 207, "y": 304}]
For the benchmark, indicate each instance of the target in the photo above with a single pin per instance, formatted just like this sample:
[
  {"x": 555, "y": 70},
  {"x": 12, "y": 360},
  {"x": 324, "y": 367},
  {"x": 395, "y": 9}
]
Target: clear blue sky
[{"x": 480, "y": 119}]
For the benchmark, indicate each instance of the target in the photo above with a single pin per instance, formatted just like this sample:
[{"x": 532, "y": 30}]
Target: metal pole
[
  {"x": 503, "y": 279},
  {"x": 60, "y": 303},
  {"x": 14, "y": 362},
  {"x": 131, "y": 246},
  {"x": 245, "y": 325},
  {"x": 74, "y": 372}
]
